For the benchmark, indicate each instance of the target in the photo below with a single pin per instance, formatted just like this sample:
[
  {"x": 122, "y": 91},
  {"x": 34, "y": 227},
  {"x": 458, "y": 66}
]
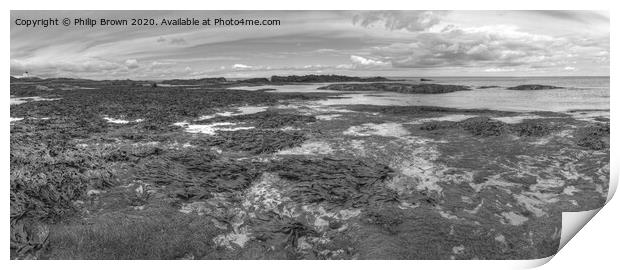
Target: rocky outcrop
[
  {"x": 255, "y": 80},
  {"x": 425, "y": 80},
  {"x": 533, "y": 87},
  {"x": 323, "y": 78},
  {"x": 487, "y": 127},
  {"x": 398, "y": 87},
  {"x": 196, "y": 81},
  {"x": 487, "y": 86}
]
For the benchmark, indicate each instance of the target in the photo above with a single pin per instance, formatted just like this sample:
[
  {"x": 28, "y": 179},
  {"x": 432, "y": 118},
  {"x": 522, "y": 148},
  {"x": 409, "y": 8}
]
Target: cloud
[
  {"x": 499, "y": 69},
  {"x": 131, "y": 63},
  {"x": 583, "y": 16},
  {"x": 241, "y": 66},
  {"x": 352, "y": 42},
  {"x": 413, "y": 21},
  {"x": 359, "y": 61},
  {"x": 178, "y": 41},
  {"x": 569, "y": 68},
  {"x": 46, "y": 68},
  {"x": 493, "y": 46}
]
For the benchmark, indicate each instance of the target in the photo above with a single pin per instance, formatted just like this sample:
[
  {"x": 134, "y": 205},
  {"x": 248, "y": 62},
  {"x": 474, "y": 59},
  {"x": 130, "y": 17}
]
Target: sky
[{"x": 357, "y": 43}]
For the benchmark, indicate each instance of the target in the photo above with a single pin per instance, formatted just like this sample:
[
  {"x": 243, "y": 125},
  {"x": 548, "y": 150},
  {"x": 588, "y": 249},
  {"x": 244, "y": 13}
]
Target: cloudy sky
[{"x": 363, "y": 43}]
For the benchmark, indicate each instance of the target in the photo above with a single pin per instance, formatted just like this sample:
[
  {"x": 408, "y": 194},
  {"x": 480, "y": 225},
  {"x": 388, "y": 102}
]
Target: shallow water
[{"x": 20, "y": 100}]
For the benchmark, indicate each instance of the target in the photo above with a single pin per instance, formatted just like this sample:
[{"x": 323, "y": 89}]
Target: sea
[{"x": 584, "y": 95}]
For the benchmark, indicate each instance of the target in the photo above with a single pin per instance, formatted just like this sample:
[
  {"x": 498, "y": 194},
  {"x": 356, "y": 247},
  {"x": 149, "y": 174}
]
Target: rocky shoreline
[{"x": 210, "y": 173}]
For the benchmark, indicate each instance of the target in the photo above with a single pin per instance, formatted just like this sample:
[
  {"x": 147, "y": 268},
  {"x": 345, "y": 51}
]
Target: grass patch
[{"x": 161, "y": 234}]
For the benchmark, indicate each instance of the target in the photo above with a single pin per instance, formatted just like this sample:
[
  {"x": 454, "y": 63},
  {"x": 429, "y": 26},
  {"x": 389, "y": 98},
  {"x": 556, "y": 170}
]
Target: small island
[
  {"x": 397, "y": 87},
  {"x": 312, "y": 78},
  {"x": 533, "y": 87}
]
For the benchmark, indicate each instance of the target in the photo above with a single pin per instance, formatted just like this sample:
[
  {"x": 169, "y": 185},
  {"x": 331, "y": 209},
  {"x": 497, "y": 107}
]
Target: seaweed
[
  {"x": 531, "y": 128},
  {"x": 254, "y": 141},
  {"x": 435, "y": 125},
  {"x": 388, "y": 218},
  {"x": 338, "y": 182},
  {"x": 595, "y": 137},
  {"x": 483, "y": 126}
]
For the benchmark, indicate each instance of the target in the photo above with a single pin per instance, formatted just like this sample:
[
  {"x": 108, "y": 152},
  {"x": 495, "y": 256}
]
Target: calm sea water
[{"x": 580, "y": 93}]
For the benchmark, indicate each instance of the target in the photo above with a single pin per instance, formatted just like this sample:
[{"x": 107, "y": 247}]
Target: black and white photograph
[{"x": 305, "y": 134}]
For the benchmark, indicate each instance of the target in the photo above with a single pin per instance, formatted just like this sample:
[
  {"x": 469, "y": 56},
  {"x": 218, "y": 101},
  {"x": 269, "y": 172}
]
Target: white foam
[
  {"x": 514, "y": 218},
  {"x": 308, "y": 148},
  {"x": 385, "y": 130},
  {"x": 122, "y": 121},
  {"x": 210, "y": 129},
  {"x": 516, "y": 119},
  {"x": 240, "y": 111}
]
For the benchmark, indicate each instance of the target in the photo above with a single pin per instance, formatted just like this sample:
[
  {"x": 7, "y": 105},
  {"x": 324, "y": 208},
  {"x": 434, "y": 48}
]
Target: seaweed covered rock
[
  {"x": 435, "y": 125},
  {"x": 595, "y": 137},
  {"x": 397, "y": 87},
  {"x": 483, "y": 126},
  {"x": 254, "y": 141},
  {"x": 284, "y": 232},
  {"x": 531, "y": 128},
  {"x": 157, "y": 106},
  {"x": 338, "y": 182},
  {"x": 29, "y": 239},
  {"x": 388, "y": 218},
  {"x": 533, "y": 87},
  {"x": 195, "y": 177}
]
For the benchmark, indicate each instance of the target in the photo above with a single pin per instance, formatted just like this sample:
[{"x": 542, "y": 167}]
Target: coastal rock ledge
[
  {"x": 533, "y": 87},
  {"x": 397, "y": 87}
]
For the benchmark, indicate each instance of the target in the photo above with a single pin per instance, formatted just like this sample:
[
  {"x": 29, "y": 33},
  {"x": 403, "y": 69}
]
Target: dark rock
[
  {"x": 435, "y": 125},
  {"x": 195, "y": 81},
  {"x": 398, "y": 87},
  {"x": 256, "y": 81},
  {"x": 533, "y": 87},
  {"x": 425, "y": 80},
  {"x": 487, "y": 86},
  {"x": 323, "y": 78}
]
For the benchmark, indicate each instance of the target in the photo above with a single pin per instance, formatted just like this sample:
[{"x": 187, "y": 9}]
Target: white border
[{"x": 595, "y": 246}]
